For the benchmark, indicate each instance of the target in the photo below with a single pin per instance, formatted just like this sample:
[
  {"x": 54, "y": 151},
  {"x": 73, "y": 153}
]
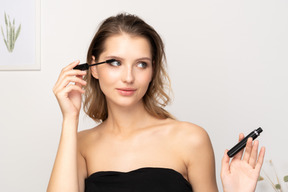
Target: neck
[{"x": 125, "y": 120}]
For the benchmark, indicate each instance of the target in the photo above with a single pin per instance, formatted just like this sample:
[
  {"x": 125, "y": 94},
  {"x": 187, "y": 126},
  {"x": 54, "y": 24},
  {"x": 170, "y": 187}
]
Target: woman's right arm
[{"x": 65, "y": 175}]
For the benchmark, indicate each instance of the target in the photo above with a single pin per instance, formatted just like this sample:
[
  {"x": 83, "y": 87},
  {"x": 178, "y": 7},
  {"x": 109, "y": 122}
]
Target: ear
[{"x": 94, "y": 69}]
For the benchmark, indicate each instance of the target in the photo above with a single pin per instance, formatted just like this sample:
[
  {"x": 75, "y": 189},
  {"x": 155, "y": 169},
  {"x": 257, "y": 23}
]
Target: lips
[{"x": 126, "y": 91}]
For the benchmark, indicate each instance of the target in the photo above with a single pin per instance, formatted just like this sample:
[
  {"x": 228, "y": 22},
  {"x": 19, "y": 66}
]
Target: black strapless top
[{"x": 148, "y": 179}]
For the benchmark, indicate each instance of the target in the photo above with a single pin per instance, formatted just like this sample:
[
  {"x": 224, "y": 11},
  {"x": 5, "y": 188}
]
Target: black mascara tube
[{"x": 254, "y": 134}]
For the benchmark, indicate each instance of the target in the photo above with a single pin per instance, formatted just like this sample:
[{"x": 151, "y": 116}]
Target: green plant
[
  {"x": 11, "y": 35},
  {"x": 276, "y": 185}
]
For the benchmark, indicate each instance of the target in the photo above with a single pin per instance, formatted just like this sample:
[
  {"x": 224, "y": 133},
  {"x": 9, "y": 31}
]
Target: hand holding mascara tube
[
  {"x": 241, "y": 173},
  {"x": 238, "y": 147}
]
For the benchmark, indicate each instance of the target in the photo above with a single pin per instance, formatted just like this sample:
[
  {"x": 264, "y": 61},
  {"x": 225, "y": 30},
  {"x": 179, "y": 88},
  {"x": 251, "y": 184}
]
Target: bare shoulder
[
  {"x": 82, "y": 136},
  {"x": 190, "y": 133},
  {"x": 86, "y": 137},
  {"x": 85, "y": 133},
  {"x": 192, "y": 141}
]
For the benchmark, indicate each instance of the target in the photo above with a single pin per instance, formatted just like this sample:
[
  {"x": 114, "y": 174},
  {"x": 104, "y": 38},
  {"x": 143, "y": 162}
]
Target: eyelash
[
  {"x": 118, "y": 63},
  {"x": 115, "y": 65},
  {"x": 143, "y": 63}
]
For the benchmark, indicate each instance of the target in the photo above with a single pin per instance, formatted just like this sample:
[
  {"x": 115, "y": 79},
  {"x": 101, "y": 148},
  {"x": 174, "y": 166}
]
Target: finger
[
  {"x": 260, "y": 159},
  {"x": 225, "y": 164},
  {"x": 68, "y": 89},
  {"x": 65, "y": 74},
  {"x": 248, "y": 150},
  {"x": 71, "y": 73},
  {"x": 72, "y": 87},
  {"x": 83, "y": 81},
  {"x": 240, "y": 153},
  {"x": 254, "y": 153},
  {"x": 74, "y": 72},
  {"x": 71, "y": 65},
  {"x": 64, "y": 93},
  {"x": 79, "y": 81},
  {"x": 74, "y": 79}
]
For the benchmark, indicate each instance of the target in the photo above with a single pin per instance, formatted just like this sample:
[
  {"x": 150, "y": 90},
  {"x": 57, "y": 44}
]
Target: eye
[
  {"x": 142, "y": 65},
  {"x": 115, "y": 63}
]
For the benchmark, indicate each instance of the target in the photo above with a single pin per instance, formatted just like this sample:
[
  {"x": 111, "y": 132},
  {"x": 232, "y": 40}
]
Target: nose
[{"x": 128, "y": 74}]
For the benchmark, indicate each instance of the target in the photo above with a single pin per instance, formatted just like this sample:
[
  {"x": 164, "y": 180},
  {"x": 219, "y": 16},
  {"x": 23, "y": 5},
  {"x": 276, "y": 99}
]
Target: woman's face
[{"x": 125, "y": 81}]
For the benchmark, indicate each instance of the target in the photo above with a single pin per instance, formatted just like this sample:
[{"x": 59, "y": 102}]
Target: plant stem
[
  {"x": 271, "y": 182},
  {"x": 275, "y": 172}
]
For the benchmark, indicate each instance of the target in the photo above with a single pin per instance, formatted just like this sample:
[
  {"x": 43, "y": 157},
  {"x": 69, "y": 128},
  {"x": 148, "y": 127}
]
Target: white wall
[{"x": 227, "y": 61}]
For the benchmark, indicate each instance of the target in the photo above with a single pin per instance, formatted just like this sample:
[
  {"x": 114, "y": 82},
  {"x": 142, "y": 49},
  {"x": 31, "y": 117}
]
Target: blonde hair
[{"x": 156, "y": 98}]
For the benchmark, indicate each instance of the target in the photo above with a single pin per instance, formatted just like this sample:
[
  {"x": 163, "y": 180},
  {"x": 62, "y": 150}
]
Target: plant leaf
[
  {"x": 13, "y": 38},
  {"x": 13, "y": 34},
  {"x": 260, "y": 178},
  {"x": 7, "y": 32},
  {"x": 6, "y": 23},
  {"x": 6, "y": 44},
  {"x": 286, "y": 178},
  {"x": 278, "y": 186},
  {"x": 10, "y": 38},
  {"x": 2, "y": 33},
  {"x": 9, "y": 22},
  {"x": 18, "y": 31}
]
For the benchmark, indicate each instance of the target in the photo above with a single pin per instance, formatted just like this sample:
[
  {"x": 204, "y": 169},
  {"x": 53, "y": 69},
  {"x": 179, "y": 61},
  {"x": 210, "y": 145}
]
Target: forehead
[{"x": 126, "y": 45}]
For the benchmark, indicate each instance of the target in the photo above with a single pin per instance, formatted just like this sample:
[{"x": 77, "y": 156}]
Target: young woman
[{"x": 137, "y": 146}]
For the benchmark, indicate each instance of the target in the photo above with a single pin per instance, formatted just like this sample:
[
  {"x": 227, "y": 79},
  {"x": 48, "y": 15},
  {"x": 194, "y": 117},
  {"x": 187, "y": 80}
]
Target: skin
[
  {"x": 243, "y": 171},
  {"x": 130, "y": 138}
]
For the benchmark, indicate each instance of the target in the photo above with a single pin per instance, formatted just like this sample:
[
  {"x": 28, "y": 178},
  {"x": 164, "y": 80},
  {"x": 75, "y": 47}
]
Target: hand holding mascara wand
[{"x": 85, "y": 66}]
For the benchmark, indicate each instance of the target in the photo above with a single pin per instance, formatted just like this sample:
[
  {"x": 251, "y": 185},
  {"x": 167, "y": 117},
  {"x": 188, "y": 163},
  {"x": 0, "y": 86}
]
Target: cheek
[
  {"x": 107, "y": 79},
  {"x": 108, "y": 76},
  {"x": 145, "y": 79}
]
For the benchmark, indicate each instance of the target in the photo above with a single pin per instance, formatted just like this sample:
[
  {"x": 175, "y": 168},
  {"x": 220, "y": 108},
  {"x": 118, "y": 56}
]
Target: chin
[{"x": 128, "y": 102}]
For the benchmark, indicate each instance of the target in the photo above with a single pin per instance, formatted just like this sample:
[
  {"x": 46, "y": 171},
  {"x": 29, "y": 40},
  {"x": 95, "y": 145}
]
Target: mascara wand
[{"x": 85, "y": 66}]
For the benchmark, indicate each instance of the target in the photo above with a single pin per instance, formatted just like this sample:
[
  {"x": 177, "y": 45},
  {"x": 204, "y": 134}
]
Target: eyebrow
[{"x": 120, "y": 58}]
